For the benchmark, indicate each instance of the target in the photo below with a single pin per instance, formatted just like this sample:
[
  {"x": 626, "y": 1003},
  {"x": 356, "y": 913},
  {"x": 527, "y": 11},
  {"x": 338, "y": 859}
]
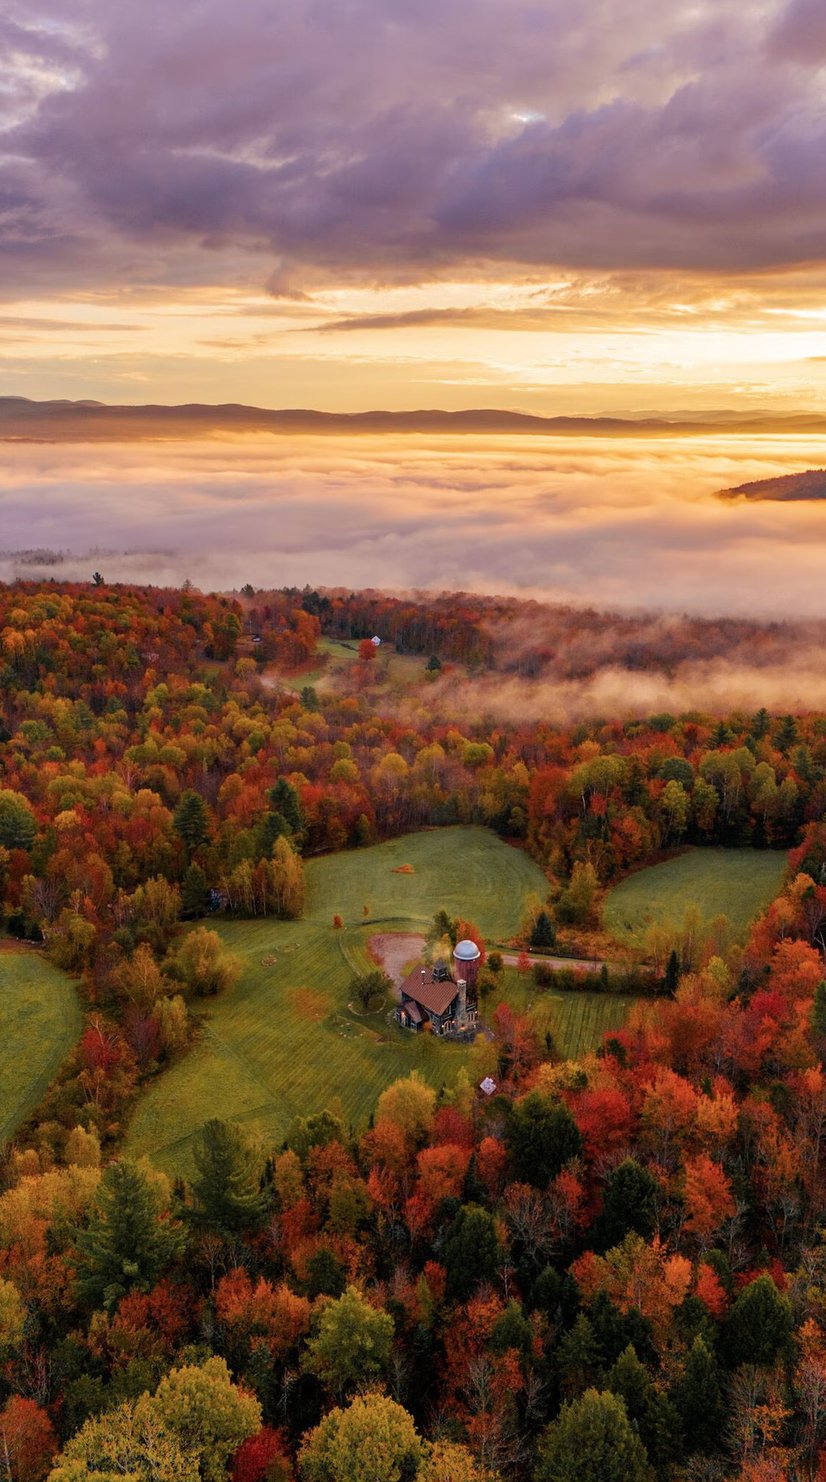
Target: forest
[{"x": 610, "y": 1268}]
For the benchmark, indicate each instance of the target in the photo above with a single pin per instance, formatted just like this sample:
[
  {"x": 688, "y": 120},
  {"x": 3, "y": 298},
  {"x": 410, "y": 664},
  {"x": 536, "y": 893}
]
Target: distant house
[{"x": 447, "y": 1003}]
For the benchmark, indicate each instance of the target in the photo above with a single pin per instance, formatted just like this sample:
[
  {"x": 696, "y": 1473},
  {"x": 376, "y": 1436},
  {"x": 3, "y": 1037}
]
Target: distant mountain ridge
[
  {"x": 788, "y": 487},
  {"x": 22, "y": 420}
]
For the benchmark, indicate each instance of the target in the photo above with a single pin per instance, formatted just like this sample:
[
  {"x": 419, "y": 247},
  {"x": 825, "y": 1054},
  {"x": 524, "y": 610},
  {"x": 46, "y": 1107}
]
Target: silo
[{"x": 466, "y": 959}]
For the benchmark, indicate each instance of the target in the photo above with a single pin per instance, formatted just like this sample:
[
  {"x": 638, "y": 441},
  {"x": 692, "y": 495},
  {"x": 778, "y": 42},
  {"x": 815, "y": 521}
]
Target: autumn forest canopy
[{"x": 609, "y": 1268}]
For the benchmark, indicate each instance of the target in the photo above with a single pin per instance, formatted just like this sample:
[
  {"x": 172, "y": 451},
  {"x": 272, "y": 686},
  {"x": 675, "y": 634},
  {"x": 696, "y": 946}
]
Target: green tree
[
  {"x": 18, "y": 824},
  {"x": 578, "y": 1358},
  {"x": 541, "y": 1137},
  {"x": 191, "y": 820},
  {"x": 126, "y": 1244},
  {"x": 472, "y": 1252},
  {"x": 207, "y": 1414},
  {"x": 351, "y": 1344},
  {"x": 698, "y": 1400},
  {"x": 130, "y": 1442},
  {"x": 818, "y": 1020},
  {"x": 373, "y": 1440},
  {"x": 194, "y": 893},
  {"x": 284, "y": 799},
  {"x": 186, "y": 1431},
  {"x": 543, "y": 936},
  {"x": 369, "y": 986},
  {"x": 629, "y": 1204},
  {"x": 227, "y": 1188},
  {"x": 592, "y": 1441},
  {"x": 672, "y": 973},
  {"x": 652, "y": 1413},
  {"x": 759, "y": 1325}
]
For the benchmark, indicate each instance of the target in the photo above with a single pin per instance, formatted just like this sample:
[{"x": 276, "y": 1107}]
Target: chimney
[{"x": 461, "y": 1012}]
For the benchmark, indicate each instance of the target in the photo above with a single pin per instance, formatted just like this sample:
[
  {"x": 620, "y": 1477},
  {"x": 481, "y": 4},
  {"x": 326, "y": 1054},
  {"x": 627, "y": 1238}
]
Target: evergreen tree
[
  {"x": 787, "y": 734},
  {"x": 284, "y": 799},
  {"x": 194, "y": 893},
  {"x": 698, "y": 1400},
  {"x": 759, "y": 1324},
  {"x": 541, "y": 1137},
  {"x": 760, "y": 724},
  {"x": 472, "y": 1252},
  {"x": 672, "y": 973},
  {"x": 126, "y": 1245},
  {"x": 592, "y": 1441},
  {"x": 227, "y": 1189},
  {"x": 818, "y": 1020},
  {"x": 629, "y": 1204},
  {"x": 543, "y": 936},
  {"x": 652, "y": 1413},
  {"x": 578, "y": 1359},
  {"x": 191, "y": 820}
]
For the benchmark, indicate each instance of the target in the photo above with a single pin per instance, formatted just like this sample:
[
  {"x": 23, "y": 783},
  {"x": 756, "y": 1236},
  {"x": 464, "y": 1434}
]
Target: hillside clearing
[
  {"x": 283, "y": 1042},
  {"x": 40, "y": 1021},
  {"x": 737, "y": 883}
]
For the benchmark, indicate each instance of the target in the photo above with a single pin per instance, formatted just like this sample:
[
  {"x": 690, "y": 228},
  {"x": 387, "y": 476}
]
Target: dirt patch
[
  {"x": 395, "y": 950},
  {"x": 308, "y": 1005},
  {"x": 11, "y": 944}
]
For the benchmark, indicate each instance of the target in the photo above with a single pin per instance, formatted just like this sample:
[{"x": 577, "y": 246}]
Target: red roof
[{"x": 434, "y": 996}]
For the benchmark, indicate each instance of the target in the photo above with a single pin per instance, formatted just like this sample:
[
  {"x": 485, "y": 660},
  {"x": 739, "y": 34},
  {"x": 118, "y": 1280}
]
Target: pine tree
[
  {"x": 541, "y": 1137},
  {"x": 472, "y": 1252},
  {"x": 578, "y": 1359},
  {"x": 818, "y": 1020},
  {"x": 629, "y": 1204},
  {"x": 698, "y": 1400},
  {"x": 284, "y": 799},
  {"x": 543, "y": 936},
  {"x": 191, "y": 820},
  {"x": 227, "y": 1190},
  {"x": 759, "y": 1324},
  {"x": 672, "y": 973},
  {"x": 592, "y": 1441},
  {"x": 652, "y": 1413},
  {"x": 126, "y": 1245},
  {"x": 194, "y": 893}
]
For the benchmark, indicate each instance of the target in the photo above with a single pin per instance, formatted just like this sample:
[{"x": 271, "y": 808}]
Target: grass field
[
  {"x": 391, "y": 670},
  {"x": 40, "y": 1020},
  {"x": 283, "y": 1042},
  {"x": 736, "y": 883}
]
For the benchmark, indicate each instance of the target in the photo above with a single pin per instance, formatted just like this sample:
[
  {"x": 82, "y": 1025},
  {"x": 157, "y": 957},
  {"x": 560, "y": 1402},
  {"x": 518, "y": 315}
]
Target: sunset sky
[{"x": 553, "y": 205}]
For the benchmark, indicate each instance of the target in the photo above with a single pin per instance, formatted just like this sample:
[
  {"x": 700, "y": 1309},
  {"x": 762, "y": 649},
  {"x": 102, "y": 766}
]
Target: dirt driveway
[{"x": 396, "y": 950}]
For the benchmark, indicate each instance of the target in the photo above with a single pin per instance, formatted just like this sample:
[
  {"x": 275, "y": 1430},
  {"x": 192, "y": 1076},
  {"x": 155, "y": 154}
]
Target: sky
[{"x": 549, "y": 205}]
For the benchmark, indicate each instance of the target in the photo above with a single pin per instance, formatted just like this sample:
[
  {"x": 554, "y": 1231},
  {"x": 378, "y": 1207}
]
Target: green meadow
[
  {"x": 737, "y": 883},
  {"x": 40, "y": 1021},
  {"x": 285, "y": 1042}
]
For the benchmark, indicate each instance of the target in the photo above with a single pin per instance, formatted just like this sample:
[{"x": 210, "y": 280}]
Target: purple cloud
[{"x": 391, "y": 142}]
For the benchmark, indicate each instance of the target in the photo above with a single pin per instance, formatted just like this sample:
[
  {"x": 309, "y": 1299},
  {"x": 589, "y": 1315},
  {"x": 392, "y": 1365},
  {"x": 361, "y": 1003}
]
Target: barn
[{"x": 445, "y": 1001}]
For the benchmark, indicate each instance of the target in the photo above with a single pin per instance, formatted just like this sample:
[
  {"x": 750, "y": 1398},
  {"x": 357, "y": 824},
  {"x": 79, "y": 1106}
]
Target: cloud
[
  {"x": 615, "y": 524},
  {"x": 389, "y": 142}
]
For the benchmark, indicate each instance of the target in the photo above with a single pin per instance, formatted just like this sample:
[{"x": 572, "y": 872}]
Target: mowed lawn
[
  {"x": 736, "y": 883},
  {"x": 40, "y": 1021},
  {"x": 580, "y": 1018},
  {"x": 283, "y": 1042}
]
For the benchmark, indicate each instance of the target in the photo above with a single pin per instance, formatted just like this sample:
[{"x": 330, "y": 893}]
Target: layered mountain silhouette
[{"x": 22, "y": 420}]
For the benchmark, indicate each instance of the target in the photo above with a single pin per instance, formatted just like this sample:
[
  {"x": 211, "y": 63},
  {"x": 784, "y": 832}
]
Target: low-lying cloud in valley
[{"x": 626, "y": 523}]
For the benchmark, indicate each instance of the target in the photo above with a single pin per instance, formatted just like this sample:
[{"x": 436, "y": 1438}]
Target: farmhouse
[{"x": 445, "y": 1001}]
